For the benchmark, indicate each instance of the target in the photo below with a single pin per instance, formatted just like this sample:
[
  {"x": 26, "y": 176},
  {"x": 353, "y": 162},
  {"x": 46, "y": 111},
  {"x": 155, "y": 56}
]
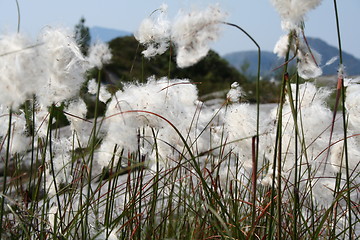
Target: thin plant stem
[
  {"x": 49, "y": 140},
  {"x": 32, "y": 129},
  {"x": 31, "y": 189},
  {"x": 279, "y": 154},
  {"x": 341, "y": 79},
  {"x": 19, "y": 15},
  {"x": 278, "y": 149},
  {"x": 7, "y": 158},
  {"x": 92, "y": 150},
  {"x": 296, "y": 180},
  {"x": 256, "y": 159}
]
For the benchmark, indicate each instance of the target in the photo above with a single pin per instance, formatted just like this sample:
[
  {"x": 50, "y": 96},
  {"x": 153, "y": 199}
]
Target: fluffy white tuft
[
  {"x": 64, "y": 66},
  {"x": 19, "y": 140},
  {"x": 352, "y": 105},
  {"x": 18, "y": 66},
  {"x": 292, "y": 12},
  {"x": 235, "y": 93},
  {"x": 173, "y": 100},
  {"x": 77, "y": 108},
  {"x": 154, "y": 34},
  {"x": 104, "y": 94},
  {"x": 99, "y": 54},
  {"x": 240, "y": 126},
  {"x": 92, "y": 86},
  {"x": 282, "y": 46},
  {"x": 308, "y": 64},
  {"x": 192, "y": 32},
  {"x": 308, "y": 59}
]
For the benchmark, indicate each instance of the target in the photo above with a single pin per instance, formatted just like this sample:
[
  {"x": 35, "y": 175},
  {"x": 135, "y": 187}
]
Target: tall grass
[{"x": 160, "y": 166}]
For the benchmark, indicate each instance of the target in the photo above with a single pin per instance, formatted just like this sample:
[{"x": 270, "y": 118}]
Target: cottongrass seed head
[
  {"x": 18, "y": 65},
  {"x": 154, "y": 33},
  {"x": 193, "y": 31},
  {"x": 65, "y": 66},
  {"x": 308, "y": 65},
  {"x": 173, "y": 100},
  {"x": 99, "y": 54},
  {"x": 292, "y": 12}
]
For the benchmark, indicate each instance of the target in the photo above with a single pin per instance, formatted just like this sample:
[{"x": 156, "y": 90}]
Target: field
[{"x": 161, "y": 164}]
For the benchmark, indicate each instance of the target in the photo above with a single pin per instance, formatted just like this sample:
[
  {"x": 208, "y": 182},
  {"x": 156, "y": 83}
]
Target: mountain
[
  {"x": 247, "y": 60},
  {"x": 352, "y": 64},
  {"x": 106, "y": 34}
]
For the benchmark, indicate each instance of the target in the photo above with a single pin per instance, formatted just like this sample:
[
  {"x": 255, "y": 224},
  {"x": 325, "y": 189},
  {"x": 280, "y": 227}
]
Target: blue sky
[{"x": 258, "y": 17}]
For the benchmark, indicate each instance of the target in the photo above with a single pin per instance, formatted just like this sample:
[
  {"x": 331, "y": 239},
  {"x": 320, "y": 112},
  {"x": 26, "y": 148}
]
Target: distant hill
[
  {"x": 269, "y": 60},
  {"x": 246, "y": 62},
  {"x": 106, "y": 34},
  {"x": 351, "y": 63},
  {"x": 212, "y": 73}
]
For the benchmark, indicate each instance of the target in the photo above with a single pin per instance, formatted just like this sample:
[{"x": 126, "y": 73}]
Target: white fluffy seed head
[
  {"x": 65, "y": 66},
  {"x": 240, "y": 127},
  {"x": 19, "y": 141},
  {"x": 337, "y": 157},
  {"x": 308, "y": 64},
  {"x": 54, "y": 65},
  {"x": 104, "y": 94},
  {"x": 309, "y": 60},
  {"x": 314, "y": 118},
  {"x": 173, "y": 100},
  {"x": 352, "y": 105},
  {"x": 77, "y": 108},
  {"x": 92, "y": 86},
  {"x": 18, "y": 65},
  {"x": 292, "y": 12},
  {"x": 282, "y": 46},
  {"x": 192, "y": 32},
  {"x": 154, "y": 34},
  {"x": 235, "y": 93},
  {"x": 99, "y": 54}
]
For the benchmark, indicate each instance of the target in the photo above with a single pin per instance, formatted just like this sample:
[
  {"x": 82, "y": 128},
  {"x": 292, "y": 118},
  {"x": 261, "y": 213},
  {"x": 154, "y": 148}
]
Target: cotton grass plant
[{"x": 160, "y": 164}]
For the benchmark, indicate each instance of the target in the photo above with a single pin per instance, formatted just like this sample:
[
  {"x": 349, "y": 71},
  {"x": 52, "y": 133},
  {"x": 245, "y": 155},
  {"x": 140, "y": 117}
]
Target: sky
[{"x": 257, "y": 17}]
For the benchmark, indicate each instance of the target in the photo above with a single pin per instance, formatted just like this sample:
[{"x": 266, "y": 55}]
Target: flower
[
  {"x": 99, "y": 54},
  {"x": 154, "y": 34},
  {"x": 53, "y": 65},
  {"x": 292, "y": 12},
  {"x": 104, "y": 94},
  {"x": 352, "y": 106},
  {"x": 308, "y": 63},
  {"x": 239, "y": 125},
  {"x": 308, "y": 59},
  {"x": 92, "y": 86},
  {"x": 282, "y": 46},
  {"x": 235, "y": 92},
  {"x": 20, "y": 142},
  {"x": 76, "y": 112},
  {"x": 17, "y": 66},
  {"x": 63, "y": 66},
  {"x": 192, "y": 32},
  {"x": 173, "y": 100}
]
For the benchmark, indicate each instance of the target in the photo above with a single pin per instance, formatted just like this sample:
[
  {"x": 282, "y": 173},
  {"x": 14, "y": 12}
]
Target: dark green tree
[{"x": 82, "y": 36}]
